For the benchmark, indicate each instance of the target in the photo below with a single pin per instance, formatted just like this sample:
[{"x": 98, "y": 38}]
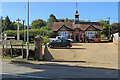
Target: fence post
[
  {"x": 3, "y": 51},
  {"x": 22, "y": 51},
  {"x": 11, "y": 50}
]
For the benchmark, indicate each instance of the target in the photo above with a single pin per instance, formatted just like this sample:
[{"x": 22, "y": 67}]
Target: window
[
  {"x": 58, "y": 41},
  {"x": 59, "y": 37},
  {"x": 64, "y": 41},
  {"x": 90, "y": 34},
  {"x": 64, "y": 34}
]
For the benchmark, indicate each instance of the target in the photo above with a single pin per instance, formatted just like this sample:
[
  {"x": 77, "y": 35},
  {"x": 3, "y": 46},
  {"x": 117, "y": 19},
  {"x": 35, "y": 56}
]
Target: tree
[
  {"x": 1, "y": 24},
  {"x": 105, "y": 25},
  {"x": 6, "y": 24},
  {"x": 114, "y": 28},
  {"x": 81, "y": 21},
  {"x": 38, "y": 23},
  {"x": 14, "y": 26},
  {"x": 71, "y": 20},
  {"x": 51, "y": 20}
]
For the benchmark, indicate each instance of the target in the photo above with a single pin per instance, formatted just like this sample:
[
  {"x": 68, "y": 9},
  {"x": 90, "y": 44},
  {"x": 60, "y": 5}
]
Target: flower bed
[{"x": 96, "y": 40}]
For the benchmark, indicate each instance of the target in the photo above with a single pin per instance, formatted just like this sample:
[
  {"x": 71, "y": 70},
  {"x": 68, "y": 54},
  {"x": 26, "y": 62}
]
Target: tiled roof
[
  {"x": 83, "y": 25},
  {"x": 58, "y": 25}
]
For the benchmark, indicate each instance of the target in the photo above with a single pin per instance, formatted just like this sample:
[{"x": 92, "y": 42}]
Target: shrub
[
  {"x": 45, "y": 39},
  {"x": 103, "y": 37},
  {"x": 44, "y": 32},
  {"x": 10, "y": 33}
]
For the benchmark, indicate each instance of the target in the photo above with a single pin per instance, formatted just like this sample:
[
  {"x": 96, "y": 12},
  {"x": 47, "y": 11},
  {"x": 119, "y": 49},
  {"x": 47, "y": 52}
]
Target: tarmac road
[{"x": 22, "y": 70}]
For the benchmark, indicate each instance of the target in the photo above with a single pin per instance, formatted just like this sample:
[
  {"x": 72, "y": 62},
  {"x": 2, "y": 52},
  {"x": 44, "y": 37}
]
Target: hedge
[{"x": 44, "y": 32}]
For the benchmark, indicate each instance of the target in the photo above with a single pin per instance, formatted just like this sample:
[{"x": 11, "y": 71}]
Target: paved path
[{"x": 15, "y": 70}]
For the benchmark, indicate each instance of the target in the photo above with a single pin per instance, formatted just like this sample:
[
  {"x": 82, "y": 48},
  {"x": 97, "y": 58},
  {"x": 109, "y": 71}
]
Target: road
[{"x": 22, "y": 70}]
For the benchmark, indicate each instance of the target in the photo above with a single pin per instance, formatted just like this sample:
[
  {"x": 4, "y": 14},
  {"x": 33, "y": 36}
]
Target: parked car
[
  {"x": 60, "y": 37},
  {"x": 60, "y": 43}
]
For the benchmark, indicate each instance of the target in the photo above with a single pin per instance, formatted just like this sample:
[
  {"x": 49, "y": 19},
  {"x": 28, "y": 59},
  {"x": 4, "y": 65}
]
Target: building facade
[{"x": 77, "y": 30}]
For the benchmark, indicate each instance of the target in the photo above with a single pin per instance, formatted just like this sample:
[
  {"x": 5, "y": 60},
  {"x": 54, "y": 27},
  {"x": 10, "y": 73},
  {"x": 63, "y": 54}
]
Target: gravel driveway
[{"x": 97, "y": 53}]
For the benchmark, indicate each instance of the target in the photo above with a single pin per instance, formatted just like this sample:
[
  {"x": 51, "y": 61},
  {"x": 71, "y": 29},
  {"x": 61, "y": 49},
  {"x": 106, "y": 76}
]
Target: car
[
  {"x": 60, "y": 43},
  {"x": 60, "y": 37}
]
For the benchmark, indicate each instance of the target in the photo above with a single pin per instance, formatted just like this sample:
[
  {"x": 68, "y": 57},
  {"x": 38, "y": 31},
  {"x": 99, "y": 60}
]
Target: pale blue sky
[{"x": 92, "y": 11}]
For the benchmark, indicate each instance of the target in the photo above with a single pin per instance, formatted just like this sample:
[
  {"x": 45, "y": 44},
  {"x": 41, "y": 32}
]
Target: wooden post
[
  {"x": 109, "y": 30},
  {"x": 79, "y": 36},
  {"x": 22, "y": 53},
  {"x": 11, "y": 54},
  {"x": 74, "y": 37},
  {"x": 3, "y": 51}
]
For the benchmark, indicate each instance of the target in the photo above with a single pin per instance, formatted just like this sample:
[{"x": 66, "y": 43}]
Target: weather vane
[{"x": 76, "y": 5}]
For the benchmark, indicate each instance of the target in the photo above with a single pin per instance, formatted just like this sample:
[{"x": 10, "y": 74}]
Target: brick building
[{"x": 75, "y": 30}]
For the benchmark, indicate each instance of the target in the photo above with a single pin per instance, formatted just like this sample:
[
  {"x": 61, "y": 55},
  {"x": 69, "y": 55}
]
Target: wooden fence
[{"x": 12, "y": 43}]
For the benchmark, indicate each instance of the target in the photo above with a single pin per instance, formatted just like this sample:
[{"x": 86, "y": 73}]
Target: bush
[
  {"x": 45, "y": 40},
  {"x": 44, "y": 32},
  {"x": 103, "y": 37},
  {"x": 10, "y": 33}
]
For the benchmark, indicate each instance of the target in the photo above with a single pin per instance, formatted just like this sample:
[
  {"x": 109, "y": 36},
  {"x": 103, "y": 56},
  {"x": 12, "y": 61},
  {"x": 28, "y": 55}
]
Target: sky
[{"x": 93, "y": 11}]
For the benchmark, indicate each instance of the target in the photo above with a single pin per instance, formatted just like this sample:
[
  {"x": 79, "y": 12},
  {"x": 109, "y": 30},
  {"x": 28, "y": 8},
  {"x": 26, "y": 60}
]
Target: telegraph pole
[
  {"x": 18, "y": 35},
  {"x": 23, "y": 24},
  {"x": 1, "y": 27},
  {"x": 24, "y": 28},
  {"x": 27, "y": 56},
  {"x": 109, "y": 31},
  {"x": 1, "y": 37}
]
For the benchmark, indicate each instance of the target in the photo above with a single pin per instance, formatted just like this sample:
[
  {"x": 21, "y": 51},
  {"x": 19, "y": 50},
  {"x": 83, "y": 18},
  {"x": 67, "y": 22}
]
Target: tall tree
[
  {"x": 105, "y": 25},
  {"x": 114, "y": 28},
  {"x": 1, "y": 24},
  {"x": 38, "y": 23},
  {"x": 51, "y": 20},
  {"x": 6, "y": 24},
  {"x": 14, "y": 26}
]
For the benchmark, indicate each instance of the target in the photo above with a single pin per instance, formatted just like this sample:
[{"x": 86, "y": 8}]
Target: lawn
[{"x": 34, "y": 44}]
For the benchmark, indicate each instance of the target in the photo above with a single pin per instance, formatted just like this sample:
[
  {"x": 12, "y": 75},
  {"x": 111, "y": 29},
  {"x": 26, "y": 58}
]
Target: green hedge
[{"x": 44, "y": 32}]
